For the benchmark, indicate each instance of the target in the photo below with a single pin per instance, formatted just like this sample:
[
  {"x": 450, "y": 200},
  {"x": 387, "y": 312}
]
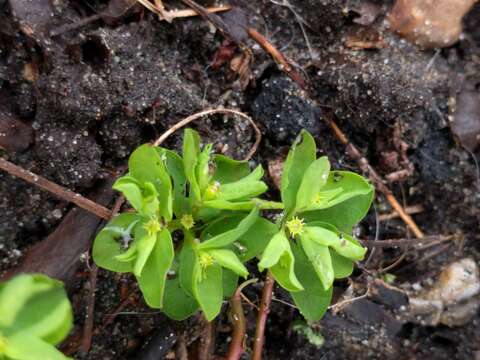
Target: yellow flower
[
  {"x": 187, "y": 221},
  {"x": 205, "y": 260},
  {"x": 153, "y": 226},
  {"x": 295, "y": 226}
]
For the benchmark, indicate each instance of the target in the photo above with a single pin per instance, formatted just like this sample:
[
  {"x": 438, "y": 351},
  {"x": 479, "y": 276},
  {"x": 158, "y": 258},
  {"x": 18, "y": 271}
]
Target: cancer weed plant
[
  {"x": 35, "y": 315},
  {"x": 197, "y": 221}
]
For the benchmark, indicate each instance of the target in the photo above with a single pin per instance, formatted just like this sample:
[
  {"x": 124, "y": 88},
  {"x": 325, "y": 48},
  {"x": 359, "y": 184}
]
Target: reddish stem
[
  {"x": 236, "y": 348},
  {"x": 267, "y": 294}
]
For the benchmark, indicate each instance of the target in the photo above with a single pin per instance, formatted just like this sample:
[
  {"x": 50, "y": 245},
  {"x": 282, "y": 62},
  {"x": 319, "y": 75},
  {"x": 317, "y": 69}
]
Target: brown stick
[
  {"x": 278, "y": 57},
  {"x": 55, "y": 189},
  {"x": 410, "y": 210},
  {"x": 267, "y": 293},
  {"x": 408, "y": 242},
  {"x": 354, "y": 153},
  {"x": 189, "y": 119}
]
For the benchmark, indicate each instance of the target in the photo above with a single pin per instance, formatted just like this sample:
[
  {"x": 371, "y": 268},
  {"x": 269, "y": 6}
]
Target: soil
[{"x": 92, "y": 94}]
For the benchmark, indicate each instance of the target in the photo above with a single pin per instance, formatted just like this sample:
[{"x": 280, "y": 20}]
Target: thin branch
[
  {"x": 55, "y": 189},
  {"x": 278, "y": 57},
  {"x": 189, "y": 119},
  {"x": 363, "y": 163},
  {"x": 267, "y": 294},
  {"x": 410, "y": 210},
  {"x": 408, "y": 242}
]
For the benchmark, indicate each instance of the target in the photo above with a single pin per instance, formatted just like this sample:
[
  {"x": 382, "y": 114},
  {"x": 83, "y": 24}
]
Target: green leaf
[
  {"x": 144, "y": 248},
  {"x": 130, "y": 188},
  {"x": 188, "y": 260},
  {"x": 208, "y": 290},
  {"x": 46, "y": 315},
  {"x": 154, "y": 273},
  {"x": 228, "y": 259},
  {"x": 319, "y": 257},
  {"x": 344, "y": 185},
  {"x": 25, "y": 346},
  {"x": 284, "y": 272},
  {"x": 107, "y": 245},
  {"x": 277, "y": 245},
  {"x": 314, "y": 300},
  {"x": 344, "y": 215},
  {"x": 230, "y": 282},
  {"x": 242, "y": 190},
  {"x": 150, "y": 203},
  {"x": 175, "y": 169},
  {"x": 342, "y": 267},
  {"x": 229, "y": 237},
  {"x": 36, "y": 304},
  {"x": 177, "y": 304},
  {"x": 254, "y": 241},
  {"x": 228, "y": 170},
  {"x": 301, "y": 155},
  {"x": 342, "y": 243},
  {"x": 279, "y": 259},
  {"x": 203, "y": 171},
  {"x": 191, "y": 149},
  {"x": 146, "y": 165},
  {"x": 313, "y": 180}
]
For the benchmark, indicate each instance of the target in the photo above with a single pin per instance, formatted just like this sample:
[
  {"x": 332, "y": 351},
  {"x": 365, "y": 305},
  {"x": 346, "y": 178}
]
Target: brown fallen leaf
[{"x": 429, "y": 23}]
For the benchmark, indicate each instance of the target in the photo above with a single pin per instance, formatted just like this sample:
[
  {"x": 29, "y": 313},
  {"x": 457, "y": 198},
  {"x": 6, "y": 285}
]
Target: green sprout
[
  {"x": 35, "y": 315},
  {"x": 197, "y": 220}
]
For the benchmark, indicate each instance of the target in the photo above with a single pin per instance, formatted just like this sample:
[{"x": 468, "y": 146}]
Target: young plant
[
  {"x": 186, "y": 197},
  {"x": 196, "y": 222},
  {"x": 35, "y": 315},
  {"x": 313, "y": 245}
]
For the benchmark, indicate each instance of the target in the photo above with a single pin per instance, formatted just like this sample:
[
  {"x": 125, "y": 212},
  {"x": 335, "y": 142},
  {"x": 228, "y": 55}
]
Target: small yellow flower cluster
[
  {"x": 295, "y": 226},
  {"x": 187, "y": 221},
  {"x": 153, "y": 226}
]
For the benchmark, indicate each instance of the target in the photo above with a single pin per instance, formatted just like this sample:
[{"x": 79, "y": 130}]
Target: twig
[
  {"x": 55, "y": 189},
  {"x": 267, "y": 293},
  {"x": 89, "y": 317},
  {"x": 236, "y": 348},
  {"x": 407, "y": 242},
  {"x": 336, "y": 307},
  {"x": 410, "y": 210},
  {"x": 189, "y": 119},
  {"x": 354, "y": 153},
  {"x": 278, "y": 57}
]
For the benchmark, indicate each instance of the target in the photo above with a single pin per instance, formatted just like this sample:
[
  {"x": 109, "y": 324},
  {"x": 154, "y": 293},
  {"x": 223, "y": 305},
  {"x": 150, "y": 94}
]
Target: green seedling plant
[
  {"x": 35, "y": 316},
  {"x": 197, "y": 220}
]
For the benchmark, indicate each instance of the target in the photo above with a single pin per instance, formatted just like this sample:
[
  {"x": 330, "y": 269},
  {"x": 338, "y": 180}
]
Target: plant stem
[
  {"x": 236, "y": 348},
  {"x": 267, "y": 294}
]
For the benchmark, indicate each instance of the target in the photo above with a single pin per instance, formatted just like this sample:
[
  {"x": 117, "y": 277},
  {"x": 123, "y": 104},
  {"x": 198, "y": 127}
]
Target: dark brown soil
[{"x": 91, "y": 95}]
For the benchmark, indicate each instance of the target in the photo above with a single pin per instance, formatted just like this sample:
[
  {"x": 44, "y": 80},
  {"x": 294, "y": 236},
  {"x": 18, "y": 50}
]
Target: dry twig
[
  {"x": 363, "y": 163},
  {"x": 55, "y": 189},
  {"x": 189, "y": 119}
]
